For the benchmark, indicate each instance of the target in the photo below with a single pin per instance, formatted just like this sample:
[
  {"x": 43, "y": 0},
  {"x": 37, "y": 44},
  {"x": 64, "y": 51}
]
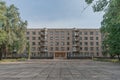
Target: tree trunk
[
  {"x": 119, "y": 57},
  {"x": 112, "y": 56},
  {"x": 0, "y": 53},
  {"x": 5, "y": 53}
]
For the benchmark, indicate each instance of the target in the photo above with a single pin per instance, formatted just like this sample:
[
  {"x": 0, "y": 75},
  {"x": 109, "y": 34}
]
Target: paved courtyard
[{"x": 60, "y": 70}]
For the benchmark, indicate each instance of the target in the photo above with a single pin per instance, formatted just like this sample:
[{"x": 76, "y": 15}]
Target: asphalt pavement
[{"x": 60, "y": 70}]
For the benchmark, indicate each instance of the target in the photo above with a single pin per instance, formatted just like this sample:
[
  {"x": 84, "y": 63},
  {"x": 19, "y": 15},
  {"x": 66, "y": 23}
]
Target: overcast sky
[{"x": 57, "y": 13}]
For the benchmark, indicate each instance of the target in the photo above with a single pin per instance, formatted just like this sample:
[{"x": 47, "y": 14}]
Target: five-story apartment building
[{"x": 64, "y": 43}]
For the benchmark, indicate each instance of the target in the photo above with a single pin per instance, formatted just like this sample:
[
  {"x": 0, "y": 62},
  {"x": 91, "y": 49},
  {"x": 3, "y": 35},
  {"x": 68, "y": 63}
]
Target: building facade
[{"x": 64, "y": 43}]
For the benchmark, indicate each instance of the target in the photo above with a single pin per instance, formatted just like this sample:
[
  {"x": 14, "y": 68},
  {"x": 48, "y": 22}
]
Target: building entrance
[{"x": 60, "y": 55}]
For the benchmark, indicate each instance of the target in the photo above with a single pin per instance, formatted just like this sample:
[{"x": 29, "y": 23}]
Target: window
[
  {"x": 91, "y": 38},
  {"x": 80, "y": 48},
  {"x": 57, "y": 43},
  {"x": 86, "y": 54},
  {"x": 85, "y": 38},
  {"x": 51, "y": 33},
  {"x": 80, "y": 38},
  {"x": 51, "y": 38},
  {"x": 62, "y": 38},
  {"x": 91, "y": 43},
  {"x": 33, "y": 43},
  {"x": 62, "y": 32},
  {"x": 80, "y": 33},
  {"x": 97, "y": 54},
  {"x": 57, "y": 38},
  {"x": 62, "y": 43},
  {"x": 91, "y": 48},
  {"x": 68, "y": 38},
  {"x": 86, "y": 48},
  {"x": 85, "y": 43},
  {"x": 33, "y": 32},
  {"x": 33, "y": 38},
  {"x": 38, "y": 43},
  {"x": 28, "y": 33},
  {"x": 68, "y": 33},
  {"x": 92, "y": 53},
  {"x": 68, "y": 43},
  {"x": 91, "y": 33},
  {"x": 81, "y": 43},
  {"x": 81, "y": 53},
  {"x": 45, "y": 37},
  {"x": 68, "y": 48},
  {"x": 97, "y": 43},
  {"x": 38, "y": 38},
  {"x": 56, "y": 33},
  {"x": 62, "y": 48},
  {"x": 39, "y": 48},
  {"x": 97, "y": 38},
  {"x": 51, "y": 48},
  {"x": 46, "y": 48},
  {"x": 33, "y": 54},
  {"x": 33, "y": 48},
  {"x": 51, "y": 43},
  {"x": 97, "y": 33},
  {"x": 39, "y": 32},
  {"x": 85, "y": 33},
  {"x": 56, "y": 48},
  {"x": 97, "y": 48}
]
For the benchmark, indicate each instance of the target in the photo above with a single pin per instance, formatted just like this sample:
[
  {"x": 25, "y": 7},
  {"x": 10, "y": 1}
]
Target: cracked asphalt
[{"x": 60, "y": 70}]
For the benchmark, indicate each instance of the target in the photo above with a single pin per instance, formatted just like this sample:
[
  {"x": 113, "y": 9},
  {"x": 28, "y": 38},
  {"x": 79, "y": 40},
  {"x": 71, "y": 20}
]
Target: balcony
[
  {"x": 42, "y": 33},
  {"x": 76, "y": 35},
  {"x": 43, "y": 39},
  {"x": 76, "y": 30},
  {"x": 42, "y": 30},
  {"x": 43, "y": 45},
  {"x": 76, "y": 45},
  {"x": 76, "y": 40},
  {"x": 44, "y": 50},
  {"x": 76, "y": 50}
]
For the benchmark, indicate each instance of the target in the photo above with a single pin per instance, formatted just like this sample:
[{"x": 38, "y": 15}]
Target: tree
[
  {"x": 28, "y": 50},
  {"x": 110, "y": 26},
  {"x": 15, "y": 28},
  {"x": 3, "y": 37}
]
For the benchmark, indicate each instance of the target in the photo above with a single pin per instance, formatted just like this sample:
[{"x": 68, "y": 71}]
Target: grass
[
  {"x": 13, "y": 60},
  {"x": 107, "y": 60}
]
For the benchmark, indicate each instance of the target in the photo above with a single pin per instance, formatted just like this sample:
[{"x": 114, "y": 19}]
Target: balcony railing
[
  {"x": 43, "y": 30},
  {"x": 76, "y": 35},
  {"x": 44, "y": 50},
  {"x": 43, "y": 33},
  {"x": 76, "y": 30},
  {"x": 76, "y": 45},
  {"x": 76, "y": 50},
  {"x": 43, "y": 39},
  {"x": 43, "y": 45},
  {"x": 76, "y": 39}
]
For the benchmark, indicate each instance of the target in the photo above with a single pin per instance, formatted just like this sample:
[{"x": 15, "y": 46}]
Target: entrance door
[{"x": 60, "y": 55}]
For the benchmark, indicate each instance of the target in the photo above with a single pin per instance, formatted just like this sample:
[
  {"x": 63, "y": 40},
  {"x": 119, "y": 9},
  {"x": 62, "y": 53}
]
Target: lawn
[
  {"x": 13, "y": 60},
  {"x": 107, "y": 60}
]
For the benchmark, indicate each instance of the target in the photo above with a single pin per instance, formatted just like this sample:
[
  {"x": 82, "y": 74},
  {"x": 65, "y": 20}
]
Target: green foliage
[
  {"x": 110, "y": 26},
  {"x": 107, "y": 60},
  {"x": 99, "y": 5},
  {"x": 3, "y": 37},
  {"x": 89, "y": 1},
  {"x": 14, "y": 27},
  {"x": 28, "y": 50}
]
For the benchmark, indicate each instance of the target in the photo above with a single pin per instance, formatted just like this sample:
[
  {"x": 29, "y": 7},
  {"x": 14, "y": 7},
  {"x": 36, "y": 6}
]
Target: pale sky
[{"x": 57, "y": 13}]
